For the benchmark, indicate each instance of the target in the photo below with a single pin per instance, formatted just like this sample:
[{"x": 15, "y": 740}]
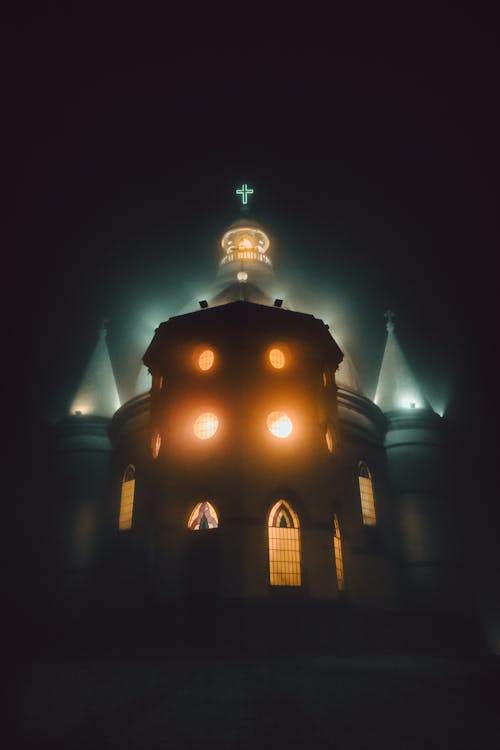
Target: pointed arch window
[
  {"x": 284, "y": 545},
  {"x": 337, "y": 551},
  {"x": 127, "y": 498},
  {"x": 366, "y": 494},
  {"x": 203, "y": 517}
]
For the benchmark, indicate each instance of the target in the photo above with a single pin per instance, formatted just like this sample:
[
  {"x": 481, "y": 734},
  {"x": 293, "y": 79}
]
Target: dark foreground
[
  {"x": 241, "y": 677},
  {"x": 69, "y": 700}
]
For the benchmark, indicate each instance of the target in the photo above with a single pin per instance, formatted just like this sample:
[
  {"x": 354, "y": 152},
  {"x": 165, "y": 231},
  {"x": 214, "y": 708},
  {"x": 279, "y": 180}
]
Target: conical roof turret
[
  {"x": 346, "y": 375},
  {"x": 97, "y": 394},
  {"x": 397, "y": 386}
]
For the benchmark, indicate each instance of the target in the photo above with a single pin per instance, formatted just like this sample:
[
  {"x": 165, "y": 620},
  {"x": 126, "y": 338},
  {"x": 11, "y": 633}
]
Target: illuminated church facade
[{"x": 253, "y": 468}]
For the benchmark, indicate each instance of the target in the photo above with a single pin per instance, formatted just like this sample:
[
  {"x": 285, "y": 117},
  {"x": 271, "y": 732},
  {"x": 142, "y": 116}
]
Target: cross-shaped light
[{"x": 244, "y": 191}]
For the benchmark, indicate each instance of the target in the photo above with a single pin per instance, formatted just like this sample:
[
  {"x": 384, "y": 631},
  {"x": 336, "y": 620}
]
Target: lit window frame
[
  {"x": 338, "y": 554},
  {"x": 127, "y": 496},
  {"x": 366, "y": 494},
  {"x": 284, "y": 546}
]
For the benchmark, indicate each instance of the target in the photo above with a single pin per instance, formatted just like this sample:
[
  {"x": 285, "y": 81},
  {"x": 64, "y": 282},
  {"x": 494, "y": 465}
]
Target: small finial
[
  {"x": 104, "y": 326},
  {"x": 389, "y": 316}
]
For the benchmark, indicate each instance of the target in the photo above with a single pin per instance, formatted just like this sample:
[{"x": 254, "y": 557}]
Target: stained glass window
[
  {"x": 366, "y": 495},
  {"x": 203, "y": 516},
  {"x": 337, "y": 550},
  {"x": 284, "y": 545},
  {"x": 127, "y": 499}
]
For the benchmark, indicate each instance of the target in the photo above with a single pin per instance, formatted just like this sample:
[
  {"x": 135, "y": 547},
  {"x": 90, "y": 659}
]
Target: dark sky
[{"x": 371, "y": 148}]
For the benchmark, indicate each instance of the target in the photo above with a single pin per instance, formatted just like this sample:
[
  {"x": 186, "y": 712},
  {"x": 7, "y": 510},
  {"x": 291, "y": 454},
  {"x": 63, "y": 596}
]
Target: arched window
[
  {"x": 127, "y": 498},
  {"x": 330, "y": 438},
  {"x": 284, "y": 545},
  {"x": 337, "y": 551},
  {"x": 156, "y": 444},
  {"x": 203, "y": 516},
  {"x": 366, "y": 495}
]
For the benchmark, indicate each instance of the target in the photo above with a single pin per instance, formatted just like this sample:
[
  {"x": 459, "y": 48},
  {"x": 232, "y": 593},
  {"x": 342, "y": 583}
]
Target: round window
[
  {"x": 206, "y": 426},
  {"x": 277, "y": 358},
  {"x": 279, "y": 424}
]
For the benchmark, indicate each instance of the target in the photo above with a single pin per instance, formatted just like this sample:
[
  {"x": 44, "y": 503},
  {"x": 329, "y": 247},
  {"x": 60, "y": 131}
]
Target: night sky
[{"x": 371, "y": 144}]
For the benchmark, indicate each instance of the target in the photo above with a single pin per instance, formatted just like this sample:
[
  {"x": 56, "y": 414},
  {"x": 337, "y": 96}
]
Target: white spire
[
  {"x": 97, "y": 393},
  {"x": 397, "y": 386}
]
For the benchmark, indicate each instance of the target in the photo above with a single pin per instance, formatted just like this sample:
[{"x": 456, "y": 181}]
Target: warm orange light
[
  {"x": 329, "y": 439},
  {"x": 366, "y": 494},
  {"x": 127, "y": 499},
  {"x": 277, "y": 358},
  {"x": 155, "y": 444},
  {"x": 337, "y": 550},
  {"x": 279, "y": 424},
  {"x": 245, "y": 244},
  {"x": 206, "y": 426},
  {"x": 284, "y": 545},
  {"x": 206, "y": 360}
]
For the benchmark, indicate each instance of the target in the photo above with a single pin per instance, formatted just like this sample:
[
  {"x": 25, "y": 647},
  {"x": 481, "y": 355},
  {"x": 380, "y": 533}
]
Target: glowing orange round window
[
  {"x": 206, "y": 426},
  {"x": 279, "y": 424},
  {"x": 206, "y": 360},
  {"x": 277, "y": 358}
]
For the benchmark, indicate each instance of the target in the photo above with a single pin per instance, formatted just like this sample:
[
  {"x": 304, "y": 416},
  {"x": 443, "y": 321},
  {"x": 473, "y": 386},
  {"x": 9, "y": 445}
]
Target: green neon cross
[{"x": 244, "y": 191}]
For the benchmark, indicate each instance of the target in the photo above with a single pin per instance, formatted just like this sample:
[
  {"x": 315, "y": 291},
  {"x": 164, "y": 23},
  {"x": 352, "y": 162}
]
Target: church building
[{"x": 252, "y": 473}]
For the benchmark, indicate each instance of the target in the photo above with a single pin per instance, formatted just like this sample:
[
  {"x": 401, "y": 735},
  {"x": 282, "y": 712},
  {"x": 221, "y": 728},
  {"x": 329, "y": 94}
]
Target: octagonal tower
[{"x": 243, "y": 416}]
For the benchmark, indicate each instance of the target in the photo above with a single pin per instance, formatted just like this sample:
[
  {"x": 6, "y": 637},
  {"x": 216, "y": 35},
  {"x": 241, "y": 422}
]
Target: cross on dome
[{"x": 244, "y": 191}]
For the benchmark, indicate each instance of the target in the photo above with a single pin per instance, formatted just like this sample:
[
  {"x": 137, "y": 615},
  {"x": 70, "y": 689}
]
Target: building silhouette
[{"x": 252, "y": 480}]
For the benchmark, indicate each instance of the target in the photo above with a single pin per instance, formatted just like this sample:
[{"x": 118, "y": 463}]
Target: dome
[{"x": 245, "y": 269}]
